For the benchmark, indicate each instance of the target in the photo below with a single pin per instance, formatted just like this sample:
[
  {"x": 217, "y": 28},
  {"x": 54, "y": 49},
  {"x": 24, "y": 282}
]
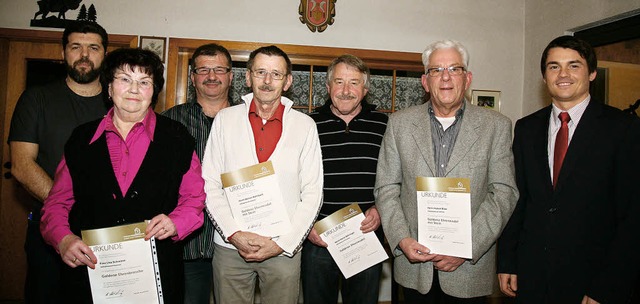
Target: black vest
[{"x": 99, "y": 202}]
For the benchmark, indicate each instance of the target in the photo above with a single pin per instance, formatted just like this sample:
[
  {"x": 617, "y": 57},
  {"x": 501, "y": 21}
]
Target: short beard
[{"x": 83, "y": 77}]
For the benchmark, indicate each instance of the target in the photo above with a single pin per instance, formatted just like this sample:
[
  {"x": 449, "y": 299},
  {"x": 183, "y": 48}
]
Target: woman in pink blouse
[{"x": 130, "y": 166}]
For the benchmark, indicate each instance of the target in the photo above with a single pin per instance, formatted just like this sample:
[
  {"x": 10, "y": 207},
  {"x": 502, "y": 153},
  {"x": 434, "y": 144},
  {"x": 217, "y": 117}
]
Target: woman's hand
[
  {"x": 75, "y": 252},
  {"x": 160, "y": 226}
]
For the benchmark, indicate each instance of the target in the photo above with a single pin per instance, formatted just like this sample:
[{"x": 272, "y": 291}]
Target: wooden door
[{"x": 17, "y": 47}]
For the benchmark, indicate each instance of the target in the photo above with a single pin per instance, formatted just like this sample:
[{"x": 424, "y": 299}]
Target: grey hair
[
  {"x": 445, "y": 44},
  {"x": 351, "y": 61}
]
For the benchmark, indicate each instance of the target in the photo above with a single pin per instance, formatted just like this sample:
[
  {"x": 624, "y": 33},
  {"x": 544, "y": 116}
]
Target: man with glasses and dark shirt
[
  {"x": 264, "y": 127},
  {"x": 211, "y": 76},
  {"x": 41, "y": 124}
]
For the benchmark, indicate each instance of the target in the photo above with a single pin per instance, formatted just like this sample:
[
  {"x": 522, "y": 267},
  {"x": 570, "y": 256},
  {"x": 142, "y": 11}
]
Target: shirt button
[
  {"x": 444, "y": 146},
  {"x": 441, "y": 166},
  {"x": 124, "y": 173},
  {"x": 261, "y": 149}
]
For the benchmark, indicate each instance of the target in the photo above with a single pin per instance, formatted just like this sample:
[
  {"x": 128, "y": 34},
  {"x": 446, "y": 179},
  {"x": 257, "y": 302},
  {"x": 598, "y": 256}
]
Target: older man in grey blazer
[{"x": 445, "y": 137}]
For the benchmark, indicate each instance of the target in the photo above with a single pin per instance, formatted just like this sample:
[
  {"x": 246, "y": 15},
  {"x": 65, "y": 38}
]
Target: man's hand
[
  {"x": 75, "y": 252},
  {"x": 414, "y": 251},
  {"x": 371, "y": 220},
  {"x": 446, "y": 263},
  {"x": 267, "y": 249},
  {"x": 509, "y": 284},
  {"x": 160, "y": 226},
  {"x": 587, "y": 300},
  {"x": 241, "y": 239},
  {"x": 314, "y": 238}
]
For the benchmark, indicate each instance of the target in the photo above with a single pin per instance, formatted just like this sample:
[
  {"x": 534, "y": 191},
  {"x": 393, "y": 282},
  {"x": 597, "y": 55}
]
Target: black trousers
[
  {"x": 437, "y": 296},
  {"x": 43, "y": 268}
]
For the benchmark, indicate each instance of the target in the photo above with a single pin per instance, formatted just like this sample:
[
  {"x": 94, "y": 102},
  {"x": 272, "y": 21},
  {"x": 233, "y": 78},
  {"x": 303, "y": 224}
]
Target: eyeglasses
[
  {"x": 217, "y": 70},
  {"x": 263, "y": 74},
  {"x": 127, "y": 81},
  {"x": 453, "y": 71}
]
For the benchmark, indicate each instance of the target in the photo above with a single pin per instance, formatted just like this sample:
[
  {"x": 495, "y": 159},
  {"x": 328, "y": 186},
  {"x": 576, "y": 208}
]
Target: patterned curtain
[{"x": 408, "y": 91}]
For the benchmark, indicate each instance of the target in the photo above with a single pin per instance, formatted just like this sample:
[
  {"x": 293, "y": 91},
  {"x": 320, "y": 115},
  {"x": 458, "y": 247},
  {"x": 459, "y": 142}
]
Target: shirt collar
[
  {"x": 459, "y": 113},
  {"x": 106, "y": 125},
  {"x": 366, "y": 107},
  {"x": 575, "y": 112},
  {"x": 276, "y": 116}
]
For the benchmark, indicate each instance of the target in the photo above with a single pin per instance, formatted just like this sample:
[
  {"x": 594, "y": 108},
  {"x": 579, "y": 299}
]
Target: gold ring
[{"x": 74, "y": 260}]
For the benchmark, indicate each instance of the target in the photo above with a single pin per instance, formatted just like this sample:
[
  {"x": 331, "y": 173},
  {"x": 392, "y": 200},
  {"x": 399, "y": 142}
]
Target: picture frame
[
  {"x": 486, "y": 98},
  {"x": 157, "y": 45}
]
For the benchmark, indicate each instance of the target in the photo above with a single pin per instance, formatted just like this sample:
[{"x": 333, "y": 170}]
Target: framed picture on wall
[
  {"x": 486, "y": 98},
  {"x": 155, "y": 44}
]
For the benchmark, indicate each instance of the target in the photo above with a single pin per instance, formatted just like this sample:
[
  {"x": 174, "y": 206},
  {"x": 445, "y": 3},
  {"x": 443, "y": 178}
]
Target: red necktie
[{"x": 562, "y": 143}]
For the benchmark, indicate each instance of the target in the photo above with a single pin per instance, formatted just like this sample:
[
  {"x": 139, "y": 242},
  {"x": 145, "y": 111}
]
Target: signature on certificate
[
  {"x": 354, "y": 259},
  {"x": 254, "y": 226},
  {"x": 115, "y": 293},
  {"x": 436, "y": 237}
]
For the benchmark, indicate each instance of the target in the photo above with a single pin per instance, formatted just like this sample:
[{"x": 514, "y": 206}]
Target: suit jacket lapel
[
  {"x": 422, "y": 137},
  {"x": 540, "y": 145},
  {"x": 581, "y": 140},
  {"x": 467, "y": 136}
]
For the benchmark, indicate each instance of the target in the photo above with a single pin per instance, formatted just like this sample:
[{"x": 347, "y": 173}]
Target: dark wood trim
[{"x": 56, "y": 37}]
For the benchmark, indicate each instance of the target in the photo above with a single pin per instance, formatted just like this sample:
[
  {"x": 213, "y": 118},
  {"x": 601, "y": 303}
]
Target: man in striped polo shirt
[
  {"x": 350, "y": 133},
  {"x": 211, "y": 76}
]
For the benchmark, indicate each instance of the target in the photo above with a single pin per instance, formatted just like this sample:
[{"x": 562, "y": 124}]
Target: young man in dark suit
[{"x": 573, "y": 237}]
